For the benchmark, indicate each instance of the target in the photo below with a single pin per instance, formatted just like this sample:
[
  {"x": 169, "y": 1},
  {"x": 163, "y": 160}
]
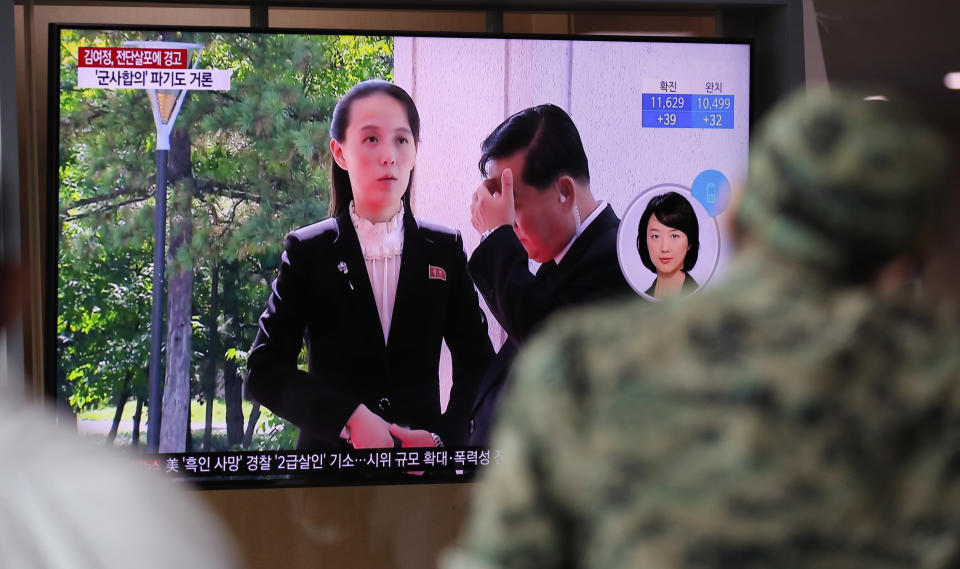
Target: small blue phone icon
[{"x": 711, "y": 196}]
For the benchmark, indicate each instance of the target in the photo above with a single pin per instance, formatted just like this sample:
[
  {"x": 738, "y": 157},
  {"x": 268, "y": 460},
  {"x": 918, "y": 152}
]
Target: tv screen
[{"x": 233, "y": 127}]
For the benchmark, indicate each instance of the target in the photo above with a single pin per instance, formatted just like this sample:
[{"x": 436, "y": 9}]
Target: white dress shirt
[
  {"x": 583, "y": 225},
  {"x": 382, "y": 246}
]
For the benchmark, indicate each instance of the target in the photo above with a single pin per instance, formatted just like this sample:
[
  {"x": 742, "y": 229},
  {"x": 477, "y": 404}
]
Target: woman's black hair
[
  {"x": 552, "y": 142},
  {"x": 672, "y": 210},
  {"x": 341, "y": 192}
]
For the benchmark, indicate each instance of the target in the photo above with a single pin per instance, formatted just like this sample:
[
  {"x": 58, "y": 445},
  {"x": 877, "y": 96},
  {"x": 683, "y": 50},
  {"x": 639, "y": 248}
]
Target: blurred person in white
[{"x": 68, "y": 503}]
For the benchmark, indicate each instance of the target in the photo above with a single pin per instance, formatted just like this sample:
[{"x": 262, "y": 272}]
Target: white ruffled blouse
[{"x": 382, "y": 246}]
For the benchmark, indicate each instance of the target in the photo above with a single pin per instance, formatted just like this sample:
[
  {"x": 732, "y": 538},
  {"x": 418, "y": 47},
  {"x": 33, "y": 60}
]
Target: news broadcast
[{"x": 309, "y": 258}]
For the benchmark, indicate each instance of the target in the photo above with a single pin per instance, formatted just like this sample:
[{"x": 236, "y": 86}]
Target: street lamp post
[{"x": 166, "y": 104}]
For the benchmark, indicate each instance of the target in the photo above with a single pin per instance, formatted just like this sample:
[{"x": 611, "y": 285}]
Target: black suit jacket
[
  {"x": 322, "y": 297},
  {"x": 590, "y": 270},
  {"x": 688, "y": 287}
]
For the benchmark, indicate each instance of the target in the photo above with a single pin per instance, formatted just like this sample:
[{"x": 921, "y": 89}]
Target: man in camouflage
[{"x": 797, "y": 416}]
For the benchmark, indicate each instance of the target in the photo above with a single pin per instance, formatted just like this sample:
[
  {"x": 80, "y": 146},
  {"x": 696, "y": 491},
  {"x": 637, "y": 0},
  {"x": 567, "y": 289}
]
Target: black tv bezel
[{"x": 51, "y": 364}]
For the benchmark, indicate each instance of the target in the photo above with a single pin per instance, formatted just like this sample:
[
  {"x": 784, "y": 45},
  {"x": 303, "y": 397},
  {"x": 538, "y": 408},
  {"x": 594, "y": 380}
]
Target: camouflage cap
[{"x": 840, "y": 183}]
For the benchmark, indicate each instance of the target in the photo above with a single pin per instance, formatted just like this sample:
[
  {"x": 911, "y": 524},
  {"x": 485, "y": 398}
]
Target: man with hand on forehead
[{"x": 535, "y": 203}]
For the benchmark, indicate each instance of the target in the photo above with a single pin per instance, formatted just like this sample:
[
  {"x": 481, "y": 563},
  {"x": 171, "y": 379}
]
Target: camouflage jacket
[{"x": 776, "y": 422}]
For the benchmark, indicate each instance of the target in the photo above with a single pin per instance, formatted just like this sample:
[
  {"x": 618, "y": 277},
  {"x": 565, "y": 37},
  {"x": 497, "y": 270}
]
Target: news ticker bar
[{"x": 287, "y": 462}]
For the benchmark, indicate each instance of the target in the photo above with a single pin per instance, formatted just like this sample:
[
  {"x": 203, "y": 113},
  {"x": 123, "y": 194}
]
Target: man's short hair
[{"x": 552, "y": 142}]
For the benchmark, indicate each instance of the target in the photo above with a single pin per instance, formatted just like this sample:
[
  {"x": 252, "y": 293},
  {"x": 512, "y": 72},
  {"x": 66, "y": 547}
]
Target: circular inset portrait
[{"x": 668, "y": 244}]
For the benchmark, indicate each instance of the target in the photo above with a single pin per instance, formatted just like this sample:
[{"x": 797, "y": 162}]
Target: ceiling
[{"x": 896, "y": 46}]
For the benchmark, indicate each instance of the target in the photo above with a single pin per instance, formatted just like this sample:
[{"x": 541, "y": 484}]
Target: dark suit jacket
[
  {"x": 589, "y": 271},
  {"x": 689, "y": 285},
  {"x": 322, "y": 297}
]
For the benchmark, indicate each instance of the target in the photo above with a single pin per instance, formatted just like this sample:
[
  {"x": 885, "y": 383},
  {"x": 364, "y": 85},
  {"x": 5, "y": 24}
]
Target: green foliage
[
  {"x": 101, "y": 331},
  {"x": 271, "y": 432},
  {"x": 259, "y": 159},
  {"x": 274, "y": 433}
]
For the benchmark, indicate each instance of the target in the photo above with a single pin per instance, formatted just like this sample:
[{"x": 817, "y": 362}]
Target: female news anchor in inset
[
  {"x": 668, "y": 240},
  {"x": 372, "y": 292}
]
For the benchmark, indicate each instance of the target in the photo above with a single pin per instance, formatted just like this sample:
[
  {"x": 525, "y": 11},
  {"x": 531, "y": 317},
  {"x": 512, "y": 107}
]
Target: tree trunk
[
  {"x": 232, "y": 382},
  {"x": 137, "y": 414},
  {"x": 120, "y": 403},
  {"x": 251, "y": 425},
  {"x": 188, "y": 437},
  {"x": 213, "y": 354},
  {"x": 176, "y": 390},
  {"x": 66, "y": 417},
  {"x": 208, "y": 420}
]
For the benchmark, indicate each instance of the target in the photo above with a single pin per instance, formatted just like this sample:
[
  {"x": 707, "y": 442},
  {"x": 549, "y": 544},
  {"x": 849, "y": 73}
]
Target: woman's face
[
  {"x": 378, "y": 152},
  {"x": 667, "y": 246}
]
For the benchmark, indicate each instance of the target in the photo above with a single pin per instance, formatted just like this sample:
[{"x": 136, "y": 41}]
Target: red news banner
[{"x": 145, "y": 68}]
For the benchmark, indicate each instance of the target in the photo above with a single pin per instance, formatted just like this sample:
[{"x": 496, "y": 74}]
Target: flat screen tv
[{"x": 233, "y": 126}]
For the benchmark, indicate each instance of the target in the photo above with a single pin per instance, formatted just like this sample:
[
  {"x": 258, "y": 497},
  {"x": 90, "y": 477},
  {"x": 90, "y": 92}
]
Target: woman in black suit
[
  {"x": 668, "y": 240},
  {"x": 372, "y": 291}
]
